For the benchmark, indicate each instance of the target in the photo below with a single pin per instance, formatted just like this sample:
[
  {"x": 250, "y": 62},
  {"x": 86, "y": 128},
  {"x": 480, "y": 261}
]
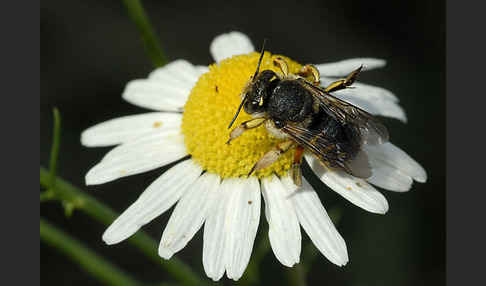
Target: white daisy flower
[{"x": 193, "y": 105}]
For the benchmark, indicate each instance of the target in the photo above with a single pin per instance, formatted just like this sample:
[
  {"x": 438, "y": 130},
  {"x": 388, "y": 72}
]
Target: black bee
[{"x": 308, "y": 117}]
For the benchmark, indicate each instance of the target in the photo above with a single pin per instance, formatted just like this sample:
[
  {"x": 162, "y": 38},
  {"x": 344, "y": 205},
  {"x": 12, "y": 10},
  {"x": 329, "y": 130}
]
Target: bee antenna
[
  {"x": 254, "y": 76},
  {"x": 237, "y": 112},
  {"x": 261, "y": 57}
]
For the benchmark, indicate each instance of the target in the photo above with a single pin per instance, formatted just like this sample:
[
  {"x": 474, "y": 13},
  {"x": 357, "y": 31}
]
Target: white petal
[
  {"x": 355, "y": 190},
  {"x": 242, "y": 221},
  {"x": 316, "y": 222},
  {"x": 395, "y": 157},
  {"x": 216, "y": 229},
  {"x": 230, "y": 44},
  {"x": 388, "y": 177},
  {"x": 124, "y": 129},
  {"x": 202, "y": 69},
  {"x": 189, "y": 215},
  {"x": 284, "y": 229},
  {"x": 156, "y": 95},
  {"x": 166, "y": 88},
  {"x": 141, "y": 155},
  {"x": 155, "y": 200},
  {"x": 375, "y": 100},
  {"x": 344, "y": 67},
  {"x": 178, "y": 71},
  {"x": 370, "y": 92}
]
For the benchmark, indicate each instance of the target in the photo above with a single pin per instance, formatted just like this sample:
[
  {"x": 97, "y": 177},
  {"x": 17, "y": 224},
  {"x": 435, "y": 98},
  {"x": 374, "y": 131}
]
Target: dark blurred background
[{"x": 91, "y": 49}]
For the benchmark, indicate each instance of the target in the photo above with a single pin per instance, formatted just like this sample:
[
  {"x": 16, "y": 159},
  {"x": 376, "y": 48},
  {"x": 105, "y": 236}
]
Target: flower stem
[
  {"x": 55, "y": 147},
  {"x": 69, "y": 194},
  {"x": 310, "y": 252},
  {"x": 252, "y": 273},
  {"x": 139, "y": 17},
  {"x": 296, "y": 275},
  {"x": 85, "y": 257}
]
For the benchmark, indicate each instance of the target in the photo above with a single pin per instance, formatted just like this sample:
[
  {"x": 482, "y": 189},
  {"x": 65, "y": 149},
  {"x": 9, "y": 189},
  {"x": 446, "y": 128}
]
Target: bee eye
[
  {"x": 252, "y": 106},
  {"x": 279, "y": 124}
]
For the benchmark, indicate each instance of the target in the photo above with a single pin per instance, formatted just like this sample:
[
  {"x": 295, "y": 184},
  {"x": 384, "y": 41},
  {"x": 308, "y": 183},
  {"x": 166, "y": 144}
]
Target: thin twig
[
  {"x": 139, "y": 17},
  {"x": 66, "y": 192},
  {"x": 56, "y": 141},
  {"x": 85, "y": 257},
  {"x": 296, "y": 275},
  {"x": 252, "y": 273}
]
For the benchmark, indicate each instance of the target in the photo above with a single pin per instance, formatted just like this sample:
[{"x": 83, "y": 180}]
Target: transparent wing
[
  {"x": 329, "y": 152},
  {"x": 372, "y": 130}
]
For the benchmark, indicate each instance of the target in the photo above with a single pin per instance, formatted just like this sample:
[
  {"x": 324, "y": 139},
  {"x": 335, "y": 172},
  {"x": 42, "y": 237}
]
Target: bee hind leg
[
  {"x": 249, "y": 124},
  {"x": 296, "y": 171},
  {"x": 344, "y": 83},
  {"x": 271, "y": 156}
]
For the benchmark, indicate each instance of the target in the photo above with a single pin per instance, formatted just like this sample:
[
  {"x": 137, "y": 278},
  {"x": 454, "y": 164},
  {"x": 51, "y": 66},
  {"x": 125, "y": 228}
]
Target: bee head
[
  {"x": 254, "y": 93},
  {"x": 257, "y": 92}
]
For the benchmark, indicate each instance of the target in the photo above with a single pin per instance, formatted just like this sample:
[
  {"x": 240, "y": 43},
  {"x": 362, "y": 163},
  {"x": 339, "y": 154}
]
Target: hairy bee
[{"x": 308, "y": 117}]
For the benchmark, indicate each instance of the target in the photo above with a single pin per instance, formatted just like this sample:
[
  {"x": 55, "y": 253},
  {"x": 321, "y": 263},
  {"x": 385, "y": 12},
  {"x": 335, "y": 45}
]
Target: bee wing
[
  {"x": 373, "y": 131},
  {"x": 328, "y": 152}
]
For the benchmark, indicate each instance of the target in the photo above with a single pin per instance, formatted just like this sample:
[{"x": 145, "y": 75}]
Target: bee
[{"x": 307, "y": 117}]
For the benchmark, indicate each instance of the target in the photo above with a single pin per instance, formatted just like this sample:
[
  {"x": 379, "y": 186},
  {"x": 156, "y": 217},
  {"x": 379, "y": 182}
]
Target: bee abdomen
[{"x": 344, "y": 140}]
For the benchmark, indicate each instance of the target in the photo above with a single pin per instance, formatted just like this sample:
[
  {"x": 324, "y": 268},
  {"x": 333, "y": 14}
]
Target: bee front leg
[
  {"x": 272, "y": 155},
  {"x": 296, "y": 171},
  {"x": 344, "y": 83},
  {"x": 249, "y": 124},
  {"x": 282, "y": 64},
  {"x": 308, "y": 70}
]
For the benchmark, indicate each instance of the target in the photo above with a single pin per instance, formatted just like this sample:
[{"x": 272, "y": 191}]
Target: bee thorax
[{"x": 290, "y": 102}]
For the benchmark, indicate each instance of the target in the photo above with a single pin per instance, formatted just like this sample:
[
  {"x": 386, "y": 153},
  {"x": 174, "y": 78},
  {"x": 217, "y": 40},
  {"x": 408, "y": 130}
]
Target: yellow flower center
[{"x": 211, "y": 106}]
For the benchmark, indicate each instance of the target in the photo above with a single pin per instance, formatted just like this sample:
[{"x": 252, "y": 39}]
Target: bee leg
[
  {"x": 282, "y": 64},
  {"x": 308, "y": 70},
  {"x": 344, "y": 83},
  {"x": 249, "y": 124},
  {"x": 272, "y": 155},
  {"x": 296, "y": 171}
]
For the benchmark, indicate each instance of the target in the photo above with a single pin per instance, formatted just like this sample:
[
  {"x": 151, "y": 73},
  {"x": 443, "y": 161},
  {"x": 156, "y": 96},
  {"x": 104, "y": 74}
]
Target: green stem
[
  {"x": 139, "y": 17},
  {"x": 252, "y": 273},
  {"x": 55, "y": 147},
  {"x": 66, "y": 192},
  {"x": 85, "y": 257},
  {"x": 296, "y": 275},
  {"x": 310, "y": 252}
]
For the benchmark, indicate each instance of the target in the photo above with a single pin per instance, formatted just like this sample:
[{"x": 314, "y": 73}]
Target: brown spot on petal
[
  {"x": 216, "y": 88},
  {"x": 348, "y": 188},
  {"x": 358, "y": 184},
  {"x": 157, "y": 124},
  {"x": 249, "y": 202},
  {"x": 123, "y": 172}
]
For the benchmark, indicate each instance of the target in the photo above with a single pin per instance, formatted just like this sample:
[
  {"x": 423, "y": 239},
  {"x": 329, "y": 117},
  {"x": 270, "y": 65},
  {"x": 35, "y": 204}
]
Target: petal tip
[
  {"x": 84, "y": 139},
  {"x": 229, "y": 44},
  {"x": 377, "y": 63},
  {"x": 380, "y": 205},
  {"x": 91, "y": 179},
  {"x": 165, "y": 253},
  {"x": 421, "y": 177},
  {"x": 108, "y": 241},
  {"x": 383, "y": 210}
]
